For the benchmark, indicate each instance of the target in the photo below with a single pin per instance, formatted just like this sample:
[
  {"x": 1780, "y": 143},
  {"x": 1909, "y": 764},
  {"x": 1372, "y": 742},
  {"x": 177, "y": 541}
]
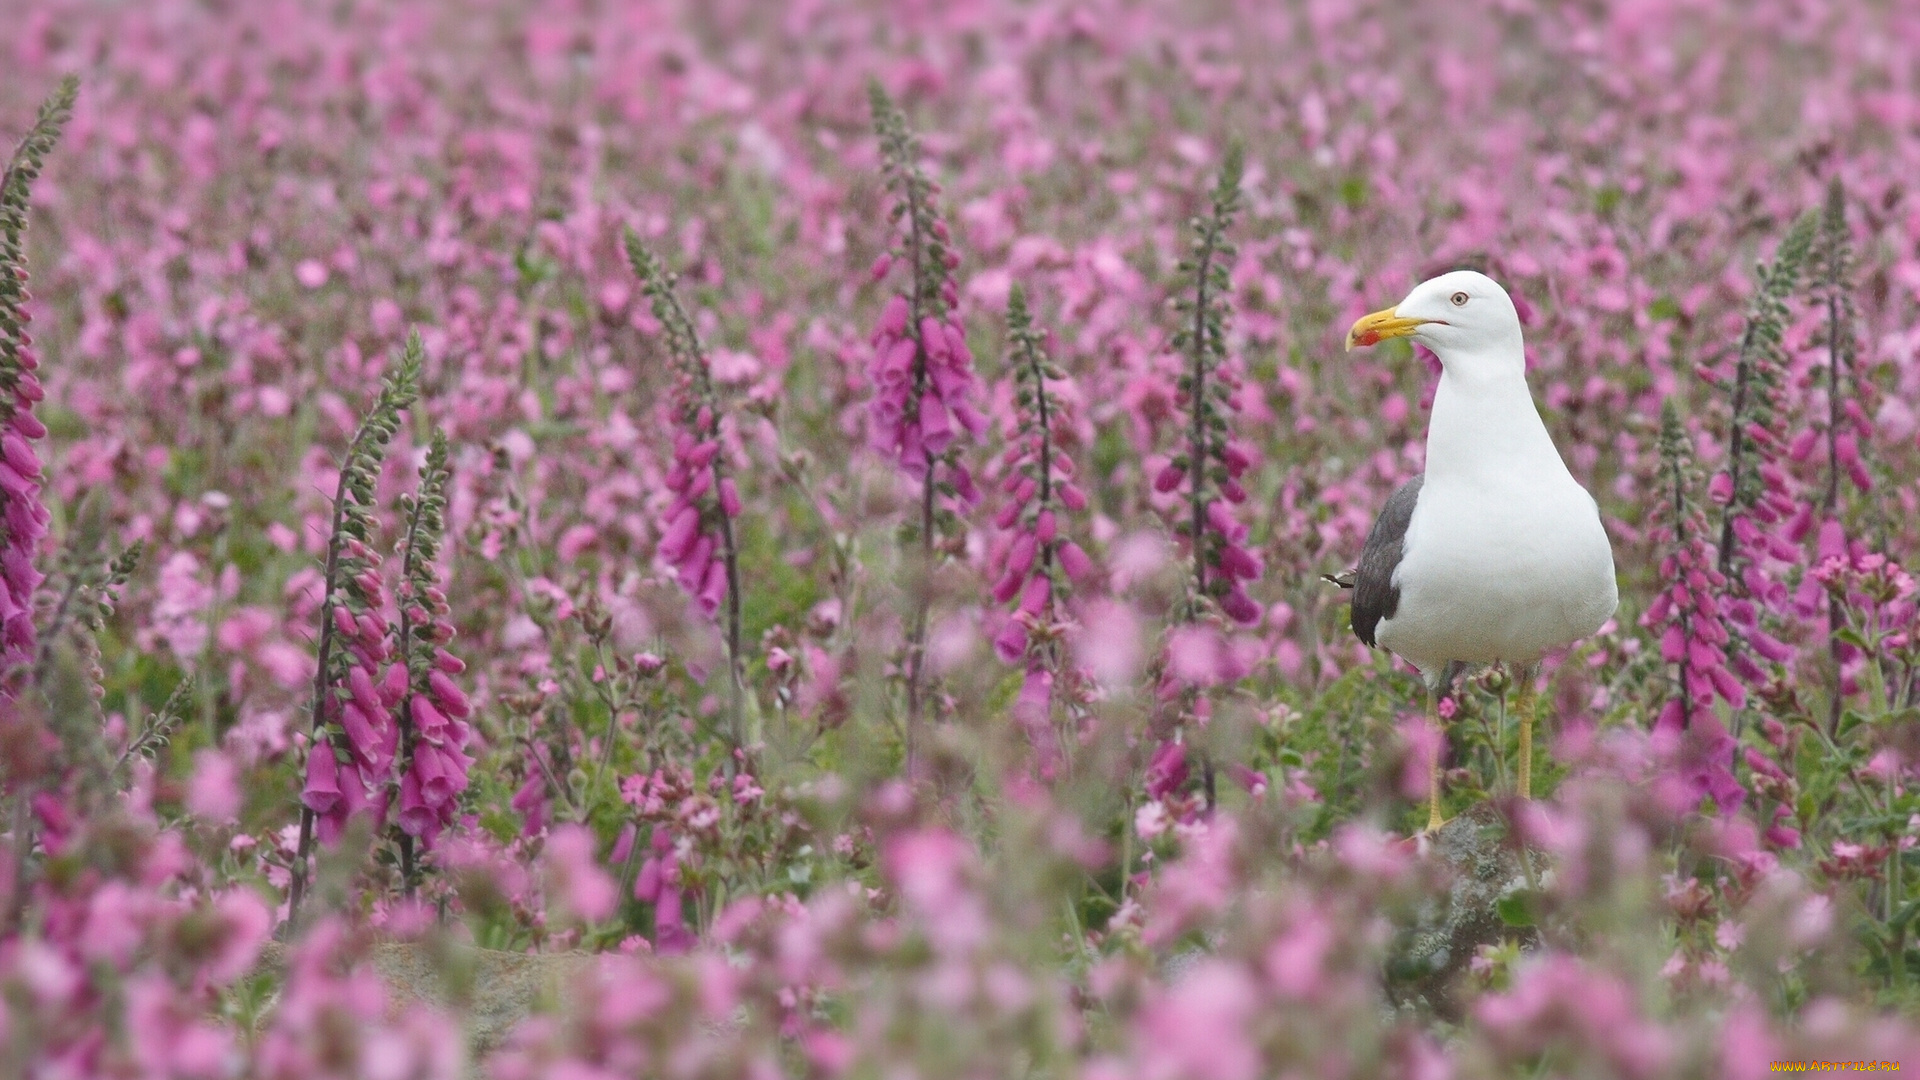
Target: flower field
[{"x": 816, "y": 519}]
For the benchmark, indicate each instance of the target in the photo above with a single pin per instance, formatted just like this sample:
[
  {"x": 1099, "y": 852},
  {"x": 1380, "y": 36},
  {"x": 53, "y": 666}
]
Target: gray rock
[
  {"x": 489, "y": 990},
  {"x": 1432, "y": 950}
]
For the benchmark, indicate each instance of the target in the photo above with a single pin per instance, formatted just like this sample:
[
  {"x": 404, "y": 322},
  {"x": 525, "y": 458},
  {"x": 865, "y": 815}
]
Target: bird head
[{"x": 1458, "y": 315}]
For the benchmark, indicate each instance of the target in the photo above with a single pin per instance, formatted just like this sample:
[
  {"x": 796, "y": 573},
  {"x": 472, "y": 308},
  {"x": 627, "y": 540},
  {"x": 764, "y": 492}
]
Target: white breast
[
  {"x": 1505, "y": 556},
  {"x": 1501, "y": 571}
]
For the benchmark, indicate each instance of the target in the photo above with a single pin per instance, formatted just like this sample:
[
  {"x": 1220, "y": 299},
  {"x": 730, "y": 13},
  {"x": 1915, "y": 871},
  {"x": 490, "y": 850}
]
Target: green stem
[
  {"x": 1736, "y": 446},
  {"x": 297, "y": 887},
  {"x": 922, "y": 585},
  {"x": 404, "y": 760}
]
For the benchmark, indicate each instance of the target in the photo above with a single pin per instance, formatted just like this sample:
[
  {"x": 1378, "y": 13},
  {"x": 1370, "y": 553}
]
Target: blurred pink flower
[
  {"x": 213, "y": 794},
  {"x": 1294, "y": 960},
  {"x": 1108, "y": 642},
  {"x": 575, "y": 881},
  {"x": 1197, "y": 1029}
]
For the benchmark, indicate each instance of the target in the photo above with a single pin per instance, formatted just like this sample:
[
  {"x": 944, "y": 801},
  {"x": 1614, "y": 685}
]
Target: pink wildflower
[
  {"x": 1693, "y": 635},
  {"x": 696, "y": 528}
]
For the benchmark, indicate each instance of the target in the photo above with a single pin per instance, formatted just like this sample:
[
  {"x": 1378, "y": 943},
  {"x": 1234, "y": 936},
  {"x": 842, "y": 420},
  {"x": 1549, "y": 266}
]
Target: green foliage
[
  {"x": 782, "y": 592},
  {"x": 91, "y": 588},
  {"x": 1031, "y": 369},
  {"x": 355, "y": 509},
  {"x": 16, "y": 184},
  {"x": 1676, "y": 463},
  {"x": 1830, "y": 281},
  {"x": 158, "y": 727},
  {"x": 1201, "y": 337},
  {"x": 683, "y": 341},
  {"x": 1830, "y": 271},
  {"x": 1759, "y": 375},
  {"x": 425, "y": 510},
  {"x": 16, "y": 190},
  {"x": 913, "y": 192},
  {"x": 360, "y": 472}
]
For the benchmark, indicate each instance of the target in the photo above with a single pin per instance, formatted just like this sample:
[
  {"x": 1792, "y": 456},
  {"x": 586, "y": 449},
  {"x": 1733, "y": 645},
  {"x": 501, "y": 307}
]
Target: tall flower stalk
[
  {"x": 1210, "y": 465},
  {"x": 432, "y": 716},
  {"x": 1831, "y": 281},
  {"x": 1036, "y": 563},
  {"x": 354, "y": 738},
  {"x": 22, "y": 514},
  {"x": 1751, "y": 490},
  {"x": 697, "y": 538},
  {"x": 92, "y": 588},
  {"x": 1846, "y": 425},
  {"x": 1758, "y": 512},
  {"x": 1213, "y": 461},
  {"x": 1693, "y": 635},
  {"x": 923, "y": 375}
]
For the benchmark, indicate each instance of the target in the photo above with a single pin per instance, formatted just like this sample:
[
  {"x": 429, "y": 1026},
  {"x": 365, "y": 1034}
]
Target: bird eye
[{"x": 1459, "y": 299}]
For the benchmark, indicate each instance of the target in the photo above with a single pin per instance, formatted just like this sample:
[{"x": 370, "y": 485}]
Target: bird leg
[
  {"x": 1525, "y": 704},
  {"x": 1434, "y": 821}
]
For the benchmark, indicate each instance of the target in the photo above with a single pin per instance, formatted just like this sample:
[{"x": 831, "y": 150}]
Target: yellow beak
[{"x": 1379, "y": 326}]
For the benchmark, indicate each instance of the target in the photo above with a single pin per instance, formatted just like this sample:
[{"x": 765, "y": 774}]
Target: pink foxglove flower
[
  {"x": 359, "y": 714},
  {"x": 23, "y": 517},
  {"x": 1843, "y": 430},
  {"x": 696, "y": 531},
  {"x": 1211, "y": 462},
  {"x": 923, "y": 379},
  {"x": 668, "y": 799},
  {"x": 353, "y": 696},
  {"x": 697, "y": 536},
  {"x": 1034, "y": 560},
  {"x": 431, "y": 710},
  {"x": 1693, "y": 634},
  {"x": 1759, "y": 527},
  {"x": 923, "y": 375}
]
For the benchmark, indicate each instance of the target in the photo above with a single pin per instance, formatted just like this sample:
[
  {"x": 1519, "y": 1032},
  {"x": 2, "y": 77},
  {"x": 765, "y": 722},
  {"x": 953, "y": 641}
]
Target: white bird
[{"x": 1496, "y": 553}]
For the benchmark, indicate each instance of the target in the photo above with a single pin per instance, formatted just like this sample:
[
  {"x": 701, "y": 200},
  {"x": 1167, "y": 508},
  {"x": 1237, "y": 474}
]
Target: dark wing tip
[
  {"x": 1345, "y": 578},
  {"x": 1375, "y": 596}
]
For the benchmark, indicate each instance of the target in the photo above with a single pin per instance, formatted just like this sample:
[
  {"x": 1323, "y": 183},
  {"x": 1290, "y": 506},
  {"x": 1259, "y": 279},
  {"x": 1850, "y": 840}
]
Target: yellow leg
[
  {"x": 1434, "y": 821},
  {"x": 1525, "y": 704}
]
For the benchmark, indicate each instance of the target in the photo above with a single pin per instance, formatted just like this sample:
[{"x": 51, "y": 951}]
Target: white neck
[{"x": 1485, "y": 426}]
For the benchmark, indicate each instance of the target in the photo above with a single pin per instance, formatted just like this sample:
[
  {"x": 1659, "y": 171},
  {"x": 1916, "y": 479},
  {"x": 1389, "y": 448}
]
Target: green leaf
[
  {"x": 1515, "y": 909},
  {"x": 533, "y": 268},
  {"x": 1852, "y": 637},
  {"x": 1903, "y": 916}
]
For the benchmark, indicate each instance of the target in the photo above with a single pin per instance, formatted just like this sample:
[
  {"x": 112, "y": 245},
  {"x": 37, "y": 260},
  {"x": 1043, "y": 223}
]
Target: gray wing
[{"x": 1375, "y": 596}]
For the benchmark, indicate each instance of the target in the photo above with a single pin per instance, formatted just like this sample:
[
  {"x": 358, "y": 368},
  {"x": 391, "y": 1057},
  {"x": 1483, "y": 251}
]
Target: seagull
[{"x": 1496, "y": 553}]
